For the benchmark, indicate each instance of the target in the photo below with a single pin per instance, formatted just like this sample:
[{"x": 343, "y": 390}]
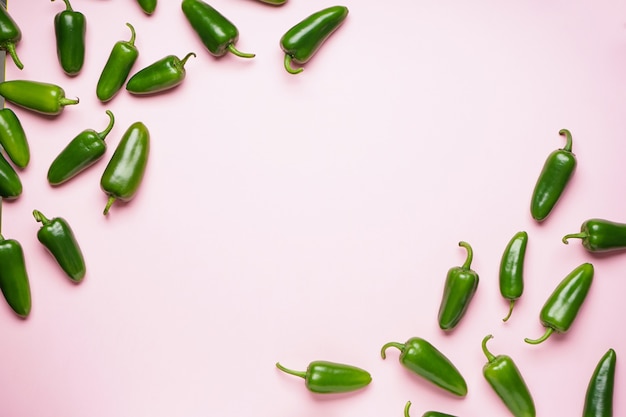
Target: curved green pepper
[
  {"x": 217, "y": 33},
  {"x": 117, "y": 68},
  {"x": 506, "y": 380},
  {"x": 58, "y": 237},
  {"x": 10, "y": 183},
  {"x": 600, "y": 236},
  {"x": 561, "y": 308},
  {"x": 512, "y": 270},
  {"x": 426, "y": 414},
  {"x": 14, "y": 281},
  {"x": 325, "y": 377},
  {"x": 10, "y": 35},
  {"x": 303, "y": 40},
  {"x": 554, "y": 177},
  {"x": 124, "y": 172},
  {"x": 148, "y": 6},
  {"x": 13, "y": 138},
  {"x": 460, "y": 287},
  {"x": 70, "y": 27},
  {"x": 422, "y": 358},
  {"x": 44, "y": 98},
  {"x": 82, "y": 152},
  {"x": 162, "y": 75},
  {"x": 599, "y": 395}
]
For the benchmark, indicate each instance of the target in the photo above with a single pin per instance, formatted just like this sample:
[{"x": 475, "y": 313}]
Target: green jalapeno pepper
[
  {"x": 10, "y": 35},
  {"x": 562, "y": 307},
  {"x": 274, "y": 2},
  {"x": 117, "y": 68},
  {"x": 304, "y": 39},
  {"x": 216, "y": 32},
  {"x": 425, "y": 360},
  {"x": 39, "y": 97},
  {"x": 600, "y": 236},
  {"x": 161, "y": 75},
  {"x": 124, "y": 172},
  {"x": 148, "y": 6},
  {"x": 14, "y": 281},
  {"x": 58, "y": 238},
  {"x": 599, "y": 395},
  {"x": 554, "y": 177},
  {"x": 13, "y": 138},
  {"x": 70, "y": 27},
  {"x": 460, "y": 287},
  {"x": 512, "y": 270},
  {"x": 10, "y": 183},
  {"x": 504, "y": 376},
  {"x": 325, "y": 377},
  {"x": 82, "y": 152},
  {"x": 426, "y": 414}
]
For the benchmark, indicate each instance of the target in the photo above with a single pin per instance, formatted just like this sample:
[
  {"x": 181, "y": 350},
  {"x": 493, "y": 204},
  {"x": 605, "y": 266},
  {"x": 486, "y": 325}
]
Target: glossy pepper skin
[
  {"x": 421, "y": 357},
  {"x": 70, "y": 27},
  {"x": 116, "y": 70},
  {"x": 511, "y": 275},
  {"x": 58, "y": 238},
  {"x": 460, "y": 287},
  {"x": 600, "y": 236},
  {"x": 13, "y": 138},
  {"x": 162, "y": 75},
  {"x": 10, "y": 35},
  {"x": 325, "y": 377},
  {"x": 148, "y": 6},
  {"x": 503, "y": 375},
  {"x": 125, "y": 171},
  {"x": 562, "y": 307},
  {"x": 305, "y": 38},
  {"x": 14, "y": 281},
  {"x": 426, "y": 414},
  {"x": 599, "y": 395},
  {"x": 554, "y": 177},
  {"x": 82, "y": 152},
  {"x": 218, "y": 34},
  {"x": 39, "y": 97},
  {"x": 10, "y": 182}
]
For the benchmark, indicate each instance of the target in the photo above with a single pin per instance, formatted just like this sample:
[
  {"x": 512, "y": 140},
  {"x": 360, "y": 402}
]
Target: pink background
[{"x": 301, "y": 217}]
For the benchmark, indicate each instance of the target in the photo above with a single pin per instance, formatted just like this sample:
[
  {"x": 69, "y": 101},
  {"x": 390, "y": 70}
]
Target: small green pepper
[
  {"x": 117, "y": 68},
  {"x": 148, "y": 6},
  {"x": 506, "y": 380},
  {"x": 426, "y": 414},
  {"x": 161, "y": 75},
  {"x": 325, "y": 377},
  {"x": 460, "y": 287},
  {"x": 600, "y": 236},
  {"x": 562, "y": 307},
  {"x": 44, "y": 98},
  {"x": 10, "y": 35},
  {"x": 13, "y": 138},
  {"x": 14, "y": 281},
  {"x": 82, "y": 152},
  {"x": 303, "y": 40},
  {"x": 512, "y": 270},
  {"x": 70, "y": 27},
  {"x": 59, "y": 239},
  {"x": 599, "y": 395},
  {"x": 218, "y": 34},
  {"x": 422, "y": 358},
  {"x": 124, "y": 172},
  {"x": 10, "y": 183}
]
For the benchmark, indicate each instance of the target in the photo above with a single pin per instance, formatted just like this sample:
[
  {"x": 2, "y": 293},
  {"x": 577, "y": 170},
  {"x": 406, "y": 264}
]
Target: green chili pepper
[
  {"x": 217, "y": 33},
  {"x": 58, "y": 237},
  {"x": 554, "y": 177},
  {"x": 124, "y": 172},
  {"x": 460, "y": 287},
  {"x": 36, "y": 96},
  {"x": 512, "y": 270},
  {"x": 10, "y": 35},
  {"x": 561, "y": 308},
  {"x": 10, "y": 183},
  {"x": 70, "y": 27},
  {"x": 325, "y": 377},
  {"x": 117, "y": 68},
  {"x": 303, "y": 40},
  {"x": 82, "y": 152},
  {"x": 14, "y": 281},
  {"x": 506, "y": 380},
  {"x": 600, "y": 236},
  {"x": 162, "y": 75},
  {"x": 13, "y": 138},
  {"x": 422, "y": 358},
  {"x": 274, "y": 2},
  {"x": 426, "y": 414},
  {"x": 599, "y": 395},
  {"x": 148, "y": 6}
]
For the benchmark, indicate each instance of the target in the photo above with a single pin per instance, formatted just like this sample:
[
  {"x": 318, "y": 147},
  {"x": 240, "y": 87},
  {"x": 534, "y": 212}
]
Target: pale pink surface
[{"x": 295, "y": 218}]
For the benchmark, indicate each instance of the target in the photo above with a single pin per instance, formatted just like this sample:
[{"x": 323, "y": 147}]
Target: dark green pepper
[
  {"x": 325, "y": 377},
  {"x": 36, "y": 96},
  {"x": 460, "y": 287},
  {"x": 422, "y": 358},
  {"x": 554, "y": 177},
  {"x": 303, "y": 40},
  {"x": 58, "y": 237},
  {"x": 82, "y": 152},
  {"x": 512, "y": 270},
  {"x": 10, "y": 35},
  {"x": 14, "y": 281},
  {"x": 599, "y": 395},
  {"x": 217, "y": 33},
  {"x": 124, "y": 172},
  {"x": 148, "y": 6},
  {"x": 426, "y": 414},
  {"x": 70, "y": 27},
  {"x": 600, "y": 236},
  {"x": 161, "y": 75},
  {"x": 13, "y": 138},
  {"x": 506, "y": 380},
  {"x": 561, "y": 308},
  {"x": 117, "y": 68},
  {"x": 10, "y": 183}
]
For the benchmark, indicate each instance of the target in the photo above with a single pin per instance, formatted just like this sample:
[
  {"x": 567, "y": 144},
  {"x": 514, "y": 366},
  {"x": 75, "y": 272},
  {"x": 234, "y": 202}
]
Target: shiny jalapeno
[
  {"x": 70, "y": 27},
  {"x": 407, "y": 406},
  {"x": 14, "y": 281},
  {"x": 511, "y": 275},
  {"x": 600, "y": 236},
  {"x": 13, "y": 138},
  {"x": 599, "y": 394},
  {"x": 159, "y": 76},
  {"x": 10, "y": 35},
  {"x": 39, "y": 97},
  {"x": 325, "y": 377},
  {"x": 117, "y": 68},
  {"x": 10, "y": 183},
  {"x": 148, "y": 6}
]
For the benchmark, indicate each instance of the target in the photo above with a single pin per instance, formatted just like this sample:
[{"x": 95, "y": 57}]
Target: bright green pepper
[
  {"x": 600, "y": 236},
  {"x": 426, "y": 414},
  {"x": 325, "y": 377},
  {"x": 512, "y": 270},
  {"x": 13, "y": 138},
  {"x": 161, "y": 75},
  {"x": 44, "y": 98},
  {"x": 148, "y": 6},
  {"x": 70, "y": 28},
  {"x": 117, "y": 68},
  {"x": 14, "y": 281},
  {"x": 10, "y": 35},
  {"x": 10, "y": 183},
  {"x": 599, "y": 395}
]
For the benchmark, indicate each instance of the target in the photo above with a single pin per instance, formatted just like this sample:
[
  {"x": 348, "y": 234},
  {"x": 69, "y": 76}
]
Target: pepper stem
[
  {"x": 68, "y": 6},
  {"x": 383, "y": 354},
  {"x": 470, "y": 255},
  {"x": 110, "y": 202},
  {"x": 10, "y": 47},
  {"x": 235, "y": 51},
  {"x": 489, "y": 355},
  {"x": 184, "y": 60},
  {"x": 581, "y": 235},
  {"x": 102, "y": 135},
  {"x": 568, "y": 137},
  {"x": 545, "y": 336},
  {"x": 289, "y": 68},
  {"x": 64, "y": 101},
  {"x": 511, "y": 304},
  {"x": 40, "y": 217},
  {"x": 406, "y": 408},
  {"x": 132, "y": 34},
  {"x": 301, "y": 374}
]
